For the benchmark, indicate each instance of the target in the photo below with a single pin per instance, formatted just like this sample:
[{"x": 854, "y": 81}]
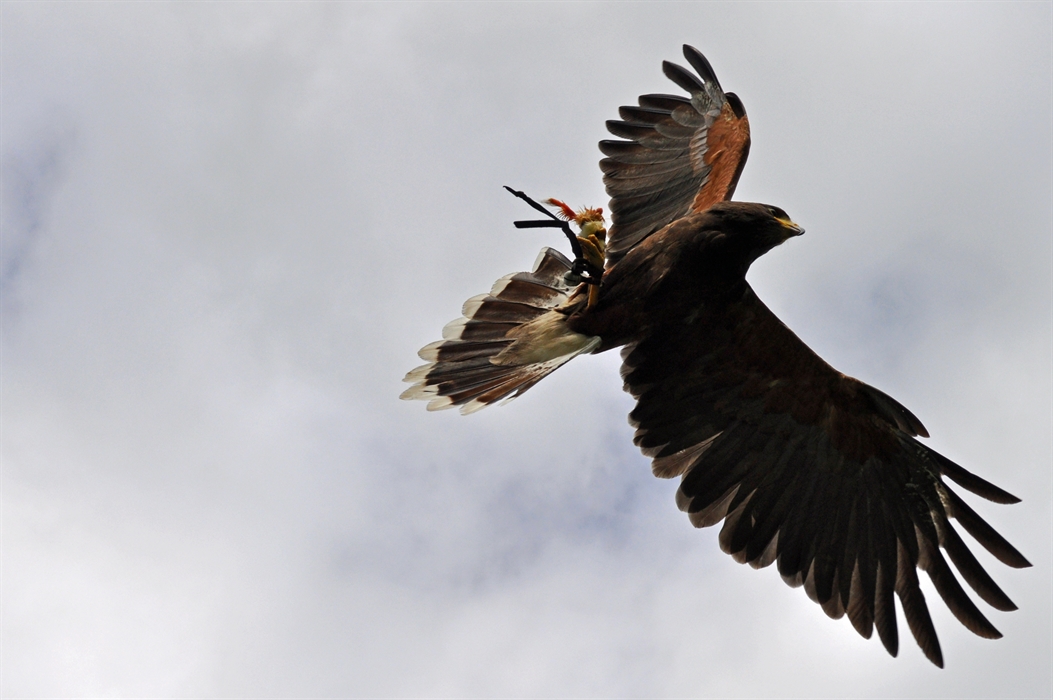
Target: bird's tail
[{"x": 507, "y": 341}]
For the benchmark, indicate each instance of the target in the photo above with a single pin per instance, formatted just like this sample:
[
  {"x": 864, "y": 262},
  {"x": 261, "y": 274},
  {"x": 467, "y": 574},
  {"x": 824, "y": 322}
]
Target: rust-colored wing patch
[{"x": 727, "y": 145}]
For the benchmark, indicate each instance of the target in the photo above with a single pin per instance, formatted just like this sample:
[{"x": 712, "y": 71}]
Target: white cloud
[{"x": 235, "y": 224}]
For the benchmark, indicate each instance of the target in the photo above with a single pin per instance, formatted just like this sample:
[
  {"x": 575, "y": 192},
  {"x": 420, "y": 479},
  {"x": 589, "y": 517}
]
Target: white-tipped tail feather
[{"x": 506, "y": 343}]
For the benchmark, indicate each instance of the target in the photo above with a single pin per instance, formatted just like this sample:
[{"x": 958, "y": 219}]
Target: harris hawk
[{"x": 807, "y": 468}]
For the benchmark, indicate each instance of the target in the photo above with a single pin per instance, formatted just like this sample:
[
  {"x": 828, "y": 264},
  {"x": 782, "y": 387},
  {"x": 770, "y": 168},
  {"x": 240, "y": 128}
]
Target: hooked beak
[{"x": 792, "y": 229}]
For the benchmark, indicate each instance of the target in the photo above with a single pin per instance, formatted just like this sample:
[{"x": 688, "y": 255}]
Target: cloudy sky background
[{"x": 227, "y": 228}]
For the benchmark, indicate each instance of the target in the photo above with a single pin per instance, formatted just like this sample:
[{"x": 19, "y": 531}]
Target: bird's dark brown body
[
  {"x": 698, "y": 263},
  {"x": 690, "y": 279}
]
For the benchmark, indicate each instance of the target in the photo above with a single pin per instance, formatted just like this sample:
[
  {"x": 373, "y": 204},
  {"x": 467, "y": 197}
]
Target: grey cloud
[{"x": 209, "y": 486}]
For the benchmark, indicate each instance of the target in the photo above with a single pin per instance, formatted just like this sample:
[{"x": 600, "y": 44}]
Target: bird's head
[{"x": 753, "y": 228}]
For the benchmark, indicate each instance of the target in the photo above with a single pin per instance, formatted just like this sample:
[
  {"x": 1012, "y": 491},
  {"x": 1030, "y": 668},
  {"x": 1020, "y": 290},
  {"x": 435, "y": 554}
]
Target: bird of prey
[{"x": 809, "y": 469}]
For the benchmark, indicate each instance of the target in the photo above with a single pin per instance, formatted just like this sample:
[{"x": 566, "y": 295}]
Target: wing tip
[
  {"x": 971, "y": 482},
  {"x": 701, "y": 64}
]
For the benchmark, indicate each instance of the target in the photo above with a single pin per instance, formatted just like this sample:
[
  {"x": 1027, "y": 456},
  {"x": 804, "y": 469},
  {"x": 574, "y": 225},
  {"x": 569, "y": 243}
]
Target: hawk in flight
[{"x": 809, "y": 469}]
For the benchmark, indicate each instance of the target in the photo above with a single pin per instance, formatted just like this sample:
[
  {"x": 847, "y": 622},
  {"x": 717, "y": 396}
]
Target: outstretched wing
[
  {"x": 812, "y": 470},
  {"x": 682, "y": 154}
]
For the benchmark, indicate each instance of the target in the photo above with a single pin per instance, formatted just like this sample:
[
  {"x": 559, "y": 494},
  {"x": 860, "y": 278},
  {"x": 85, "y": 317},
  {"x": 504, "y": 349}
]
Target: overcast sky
[{"x": 227, "y": 229}]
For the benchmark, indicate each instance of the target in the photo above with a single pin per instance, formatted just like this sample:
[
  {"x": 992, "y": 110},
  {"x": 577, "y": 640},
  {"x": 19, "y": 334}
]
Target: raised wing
[
  {"x": 682, "y": 154},
  {"x": 811, "y": 470}
]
